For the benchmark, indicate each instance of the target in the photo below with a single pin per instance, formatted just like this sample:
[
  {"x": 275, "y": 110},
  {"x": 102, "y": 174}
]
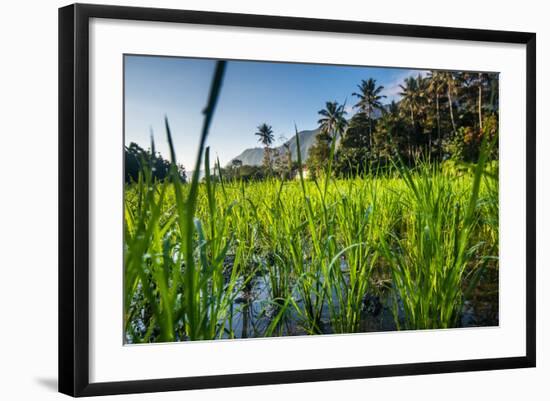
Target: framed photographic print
[{"x": 249, "y": 199}]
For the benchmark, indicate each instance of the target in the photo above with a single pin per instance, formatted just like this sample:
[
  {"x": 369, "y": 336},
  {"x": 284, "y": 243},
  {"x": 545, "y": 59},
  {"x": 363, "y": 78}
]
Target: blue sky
[{"x": 279, "y": 94}]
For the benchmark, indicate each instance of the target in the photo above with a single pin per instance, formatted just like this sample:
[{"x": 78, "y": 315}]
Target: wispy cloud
[
  {"x": 392, "y": 89},
  {"x": 350, "y": 110}
]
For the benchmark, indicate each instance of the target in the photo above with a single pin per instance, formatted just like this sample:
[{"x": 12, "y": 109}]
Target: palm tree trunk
[
  {"x": 450, "y": 98},
  {"x": 267, "y": 159},
  {"x": 370, "y": 130},
  {"x": 479, "y": 103},
  {"x": 438, "y": 124},
  {"x": 413, "y": 131}
]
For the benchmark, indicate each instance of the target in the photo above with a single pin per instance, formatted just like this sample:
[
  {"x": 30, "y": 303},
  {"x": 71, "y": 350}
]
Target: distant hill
[{"x": 255, "y": 156}]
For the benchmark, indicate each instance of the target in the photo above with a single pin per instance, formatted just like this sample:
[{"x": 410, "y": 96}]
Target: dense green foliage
[
  {"x": 136, "y": 158},
  {"x": 440, "y": 116}
]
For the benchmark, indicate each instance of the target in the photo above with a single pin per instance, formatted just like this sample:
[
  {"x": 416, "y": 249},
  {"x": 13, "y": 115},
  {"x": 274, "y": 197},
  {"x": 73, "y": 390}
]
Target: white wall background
[{"x": 28, "y": 199}]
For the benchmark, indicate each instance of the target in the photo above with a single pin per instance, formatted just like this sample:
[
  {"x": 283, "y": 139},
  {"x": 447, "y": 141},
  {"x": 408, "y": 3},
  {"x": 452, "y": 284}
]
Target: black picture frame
[{"x": 74, "y": 198}]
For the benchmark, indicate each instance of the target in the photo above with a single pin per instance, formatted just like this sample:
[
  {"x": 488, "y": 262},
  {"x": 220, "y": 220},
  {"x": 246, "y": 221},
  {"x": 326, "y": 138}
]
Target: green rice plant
[
  {"x": 489, "y": 206},
  {"x": 350, "y": 271},
  {"x": 150, "y": 270},
  {"x": 429, "y": 263},
  {"x": 245, "y": 234},
  {"x": 278, "y": 263},
  {"x": 309, "y": 273},
  {"x": 481, "y": 281},
  {"x": 178, "y": 263}
]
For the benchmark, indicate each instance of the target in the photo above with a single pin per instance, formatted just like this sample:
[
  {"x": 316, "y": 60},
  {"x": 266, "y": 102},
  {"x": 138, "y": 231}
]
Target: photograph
[{"x": 307, "y": 199}]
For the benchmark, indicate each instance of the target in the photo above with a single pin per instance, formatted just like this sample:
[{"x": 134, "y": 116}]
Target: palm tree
[
  {"x": 288, "y": 154},
  {"x": 369, "y": 100},
  {"x": 332, "y": 122},
  {"x": 482, "y": 81},
  {"x": 436, "y": 88},
  {"x": 410, "y": 95},
  {"x": 451, "y": 90},
  {"x": 237, "y": 164},
  {"x": 265, "y": 132},
  {"x": 386, "y": 132},
  {"x": 266, "y": 137},
  {"x": 411, "y": 103},
  {"x": 424, "y": 124}
]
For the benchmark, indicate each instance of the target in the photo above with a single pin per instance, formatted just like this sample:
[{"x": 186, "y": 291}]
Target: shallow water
[{"x": 253, "y": 311}]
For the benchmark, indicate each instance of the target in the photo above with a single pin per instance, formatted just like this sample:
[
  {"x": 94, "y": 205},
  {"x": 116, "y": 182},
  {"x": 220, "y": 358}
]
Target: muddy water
[{"x": 252, "y": 311}]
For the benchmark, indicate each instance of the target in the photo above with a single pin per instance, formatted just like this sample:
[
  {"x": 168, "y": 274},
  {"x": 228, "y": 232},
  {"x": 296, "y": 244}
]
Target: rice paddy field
[
  {"x": 409, "y": 249},
  {"x": 413, "y": 246}
]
